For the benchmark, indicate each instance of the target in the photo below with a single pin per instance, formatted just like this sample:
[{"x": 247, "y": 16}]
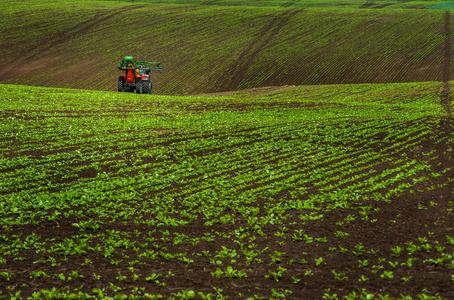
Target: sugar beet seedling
[{"x": 137, "y": 75}]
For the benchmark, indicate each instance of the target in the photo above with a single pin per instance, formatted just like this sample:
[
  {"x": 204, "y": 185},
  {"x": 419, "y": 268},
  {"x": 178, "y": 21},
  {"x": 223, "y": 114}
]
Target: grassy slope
[{"x": 217, "y": 48}]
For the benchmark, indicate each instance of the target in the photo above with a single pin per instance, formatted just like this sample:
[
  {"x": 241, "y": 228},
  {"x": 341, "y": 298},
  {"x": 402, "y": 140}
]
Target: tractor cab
[{"x": 142, "y": 72}]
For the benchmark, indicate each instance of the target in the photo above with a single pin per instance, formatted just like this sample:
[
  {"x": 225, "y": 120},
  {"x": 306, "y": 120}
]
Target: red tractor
[{"x": 137, "y": 75}]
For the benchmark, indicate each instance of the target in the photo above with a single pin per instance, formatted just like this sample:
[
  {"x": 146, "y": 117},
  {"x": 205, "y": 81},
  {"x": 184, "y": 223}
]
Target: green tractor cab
[{"x": 137, "y": 75}]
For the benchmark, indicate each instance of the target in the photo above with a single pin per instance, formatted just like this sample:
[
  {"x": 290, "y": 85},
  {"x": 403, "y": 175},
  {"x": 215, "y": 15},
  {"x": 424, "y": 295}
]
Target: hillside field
[
  {"x": 289, "y": 192},
  {"x": 214, "y": 48}
]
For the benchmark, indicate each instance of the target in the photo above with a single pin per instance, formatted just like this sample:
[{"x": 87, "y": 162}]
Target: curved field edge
[
  {"x": 217, "y": 48},
  {"x": 303, "y": 191}
]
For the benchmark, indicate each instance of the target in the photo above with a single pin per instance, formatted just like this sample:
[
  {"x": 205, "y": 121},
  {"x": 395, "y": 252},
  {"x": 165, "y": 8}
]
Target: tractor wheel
[
  {"x": 139, "y": 86},
  {"x": 145, "y": 86},
  {"x": 121, "y": 84}
]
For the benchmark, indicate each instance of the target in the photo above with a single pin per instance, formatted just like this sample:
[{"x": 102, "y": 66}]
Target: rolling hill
[{"x": 213, "y": 48}]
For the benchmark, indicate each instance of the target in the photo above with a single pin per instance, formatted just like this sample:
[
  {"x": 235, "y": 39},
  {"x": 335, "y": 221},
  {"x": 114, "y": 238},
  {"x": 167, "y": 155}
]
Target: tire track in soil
[
  {"x": 288, "y": 4},
  {"x": 24, "y": 58},
  {"x": 235, "y": 73},
  {"x": 368, "y": 4},
  {"x": 446, "y": 97},
  {"x": 80, "y": 29}
]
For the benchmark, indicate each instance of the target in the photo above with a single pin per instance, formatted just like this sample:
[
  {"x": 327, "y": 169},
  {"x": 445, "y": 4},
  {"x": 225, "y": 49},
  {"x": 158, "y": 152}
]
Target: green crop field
[
  {"x": 291, "y": 150},
  {"x": 295, "y": 192}
]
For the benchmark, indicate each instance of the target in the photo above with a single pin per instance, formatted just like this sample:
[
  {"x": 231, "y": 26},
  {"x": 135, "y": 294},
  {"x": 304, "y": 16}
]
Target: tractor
[{"x": 137, "y": 75}]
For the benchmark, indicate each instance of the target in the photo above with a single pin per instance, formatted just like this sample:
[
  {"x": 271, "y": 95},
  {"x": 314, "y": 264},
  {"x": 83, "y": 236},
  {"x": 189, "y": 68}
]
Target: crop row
[{"x": 177, "y": 170}]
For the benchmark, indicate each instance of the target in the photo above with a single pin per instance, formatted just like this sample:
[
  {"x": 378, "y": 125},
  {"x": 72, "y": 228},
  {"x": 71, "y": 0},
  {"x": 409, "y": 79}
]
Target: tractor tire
[
  {"x": 121, "y": 84},
  {"x": 145, "y": 87},
  {"x": 139, "y": 86}
]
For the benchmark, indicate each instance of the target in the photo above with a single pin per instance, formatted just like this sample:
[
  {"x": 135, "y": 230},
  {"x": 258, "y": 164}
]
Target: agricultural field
[
  {"x": 216, "y": 48},
  {"x": 375, "y": 4},
  {"x": 291, "y": 150},
  {"x": 308, "y": 192}
]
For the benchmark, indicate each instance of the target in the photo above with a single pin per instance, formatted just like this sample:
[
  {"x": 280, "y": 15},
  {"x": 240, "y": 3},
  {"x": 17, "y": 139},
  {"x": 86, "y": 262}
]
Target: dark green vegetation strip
[
  {"x": 217, "y": 48},
  {"x": 444, "y": 5},
  {"x": 297, "y": 192}
]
